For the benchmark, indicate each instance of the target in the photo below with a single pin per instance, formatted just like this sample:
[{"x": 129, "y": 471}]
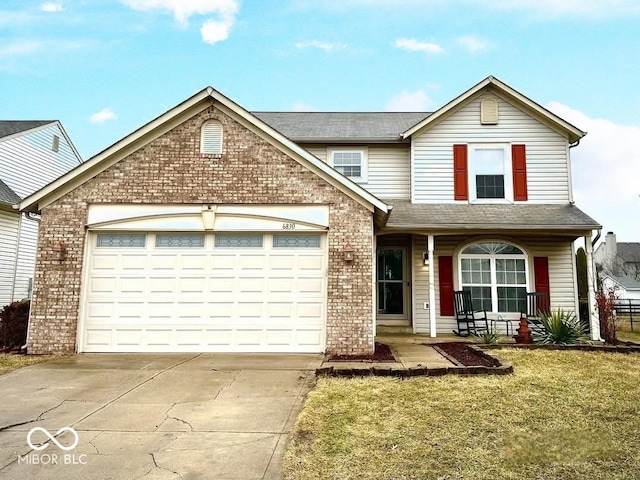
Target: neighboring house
[
  {"x": 32, "y": 154},
  {"x": 212, "y": 228},
  {"x": 619, "y": 266}
]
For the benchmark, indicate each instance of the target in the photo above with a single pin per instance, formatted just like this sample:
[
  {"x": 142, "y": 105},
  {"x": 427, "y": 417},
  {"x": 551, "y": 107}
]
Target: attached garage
[
  {"x": 177, "y": 291},
  {"x": 205, "y": 230}
]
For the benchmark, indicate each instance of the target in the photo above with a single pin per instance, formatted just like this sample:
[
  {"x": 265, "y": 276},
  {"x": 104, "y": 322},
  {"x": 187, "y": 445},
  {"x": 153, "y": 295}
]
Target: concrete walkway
[{"x": 200, "y": 416}]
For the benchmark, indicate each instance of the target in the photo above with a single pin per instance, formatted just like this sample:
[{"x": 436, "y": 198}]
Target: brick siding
[{"x": 171, "y": 169}]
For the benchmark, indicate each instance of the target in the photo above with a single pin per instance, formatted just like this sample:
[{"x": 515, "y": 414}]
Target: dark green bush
[{"x": 14, "y": 319}]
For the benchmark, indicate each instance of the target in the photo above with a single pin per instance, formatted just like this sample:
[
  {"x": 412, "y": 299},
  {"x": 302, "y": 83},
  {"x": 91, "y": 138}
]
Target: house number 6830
[{"x": 288, "y": 226}]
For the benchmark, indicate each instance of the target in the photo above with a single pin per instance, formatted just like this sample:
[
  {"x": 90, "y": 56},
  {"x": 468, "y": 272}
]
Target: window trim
[
  {"x": 492, "y": 266},
  {"x": 508, "y": 172},
  {"x": 364, "y": 162},
  {"x": 202, "y": 135}
]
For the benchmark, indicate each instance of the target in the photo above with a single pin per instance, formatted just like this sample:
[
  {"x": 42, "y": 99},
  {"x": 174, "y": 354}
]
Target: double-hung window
[
  {"x": 496, "y": 275},
  {"x": 351, "y": 162},
  {"x": 490, "y": 175}
]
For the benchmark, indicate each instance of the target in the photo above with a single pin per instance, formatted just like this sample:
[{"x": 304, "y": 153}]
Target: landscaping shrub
[
  {"x": 488, "y": 338},
  {"x": 606, "y": 300},
  {"x": 560, "y": 328},
  {"x": 14, "y": 319}
]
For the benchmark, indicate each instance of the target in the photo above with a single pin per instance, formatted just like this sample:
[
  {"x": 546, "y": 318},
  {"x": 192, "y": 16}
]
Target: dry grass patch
[
  {"x": 628, "y": 336},
  {"x": 10, "y": 362},
  {"x": 562, "y": 415}
]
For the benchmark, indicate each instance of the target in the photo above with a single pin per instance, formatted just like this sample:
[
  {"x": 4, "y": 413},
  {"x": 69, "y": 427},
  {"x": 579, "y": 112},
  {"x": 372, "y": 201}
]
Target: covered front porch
[{"x": 418, "y": 269}]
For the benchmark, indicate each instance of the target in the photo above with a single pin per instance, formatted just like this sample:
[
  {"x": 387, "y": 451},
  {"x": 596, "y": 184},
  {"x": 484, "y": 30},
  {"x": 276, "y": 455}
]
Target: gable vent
[
  {"x": 489, "y": 112},
  {"x": 55, "y": 144},
  {"x": 211, "y": 137}
]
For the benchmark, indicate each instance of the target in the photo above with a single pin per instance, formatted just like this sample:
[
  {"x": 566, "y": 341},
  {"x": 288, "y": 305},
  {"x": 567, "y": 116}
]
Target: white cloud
[
  {"x": 326, "y": 46},
  {"x": 473, "y": 44},
  {"x": 213, "y": 30},
  {"x": 590, "y": 8},
  {"x": 606, "y": 168},
  {"x": 410, "y": 102},
  {"x": 103, "y": 115},
  {"x": 51, "y": 7},
  {"x": 417, "y": 46}
]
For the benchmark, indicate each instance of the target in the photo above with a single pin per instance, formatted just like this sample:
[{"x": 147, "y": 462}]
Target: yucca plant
[
  {"x": 488, "y": 337},
  {"x": 560, "y": 328}
]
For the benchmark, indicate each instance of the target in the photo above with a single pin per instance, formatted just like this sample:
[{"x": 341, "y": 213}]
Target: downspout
[
  {"x": 593, "y": 243},
  {"x": 33, "y": 217}
]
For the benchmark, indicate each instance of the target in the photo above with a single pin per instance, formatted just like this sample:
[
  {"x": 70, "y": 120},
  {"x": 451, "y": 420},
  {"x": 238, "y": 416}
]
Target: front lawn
[
  {"x": 561, "y": 415},
  {"x": 10, "y": 362}
]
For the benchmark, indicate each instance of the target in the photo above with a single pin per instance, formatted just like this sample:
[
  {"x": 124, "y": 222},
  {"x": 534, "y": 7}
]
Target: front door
[{"x": 392, "y": 283}]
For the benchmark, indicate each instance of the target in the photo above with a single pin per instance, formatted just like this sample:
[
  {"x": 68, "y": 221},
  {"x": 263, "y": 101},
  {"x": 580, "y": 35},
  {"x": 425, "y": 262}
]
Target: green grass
[
  {"x": 12, "y": 362},
  {"x": 627, "y": 336},
  {"x": 561, "y": 415}
]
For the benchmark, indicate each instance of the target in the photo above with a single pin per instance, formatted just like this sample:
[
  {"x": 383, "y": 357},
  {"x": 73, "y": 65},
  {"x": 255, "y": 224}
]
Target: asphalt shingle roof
[
  {"x": 7, "y": 195},
  {"x": 9, "y": 127},
  {"x": 310, "y": 126},
  {"x": 629, "y": 251},
  {"x": 629, "y": 282},
  {"x": 491, "y": 217}
]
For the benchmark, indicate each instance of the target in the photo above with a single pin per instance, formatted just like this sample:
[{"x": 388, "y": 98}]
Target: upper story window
[
  {"x": 496, "y": 275},
  {"x": 490, "y": 173},
  {"x": 211, "y": 141},
  {"x": 351, "y": 162}
]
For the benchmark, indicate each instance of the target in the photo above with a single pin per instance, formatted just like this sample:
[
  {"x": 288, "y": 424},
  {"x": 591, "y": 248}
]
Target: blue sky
[{"x": 105, "y": 67}]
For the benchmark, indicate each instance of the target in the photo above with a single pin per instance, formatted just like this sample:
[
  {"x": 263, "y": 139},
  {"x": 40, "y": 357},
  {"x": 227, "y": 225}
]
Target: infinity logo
[{"x": 76, "y": 439}]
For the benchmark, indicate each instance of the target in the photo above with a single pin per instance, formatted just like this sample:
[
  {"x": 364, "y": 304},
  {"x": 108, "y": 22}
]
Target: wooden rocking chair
[{"x": 470, "y": 321}]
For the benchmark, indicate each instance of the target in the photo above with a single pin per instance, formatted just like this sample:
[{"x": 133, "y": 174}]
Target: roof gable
[
  {"x": 176, "y": 116},
  {"x": 509, "y": 94}
]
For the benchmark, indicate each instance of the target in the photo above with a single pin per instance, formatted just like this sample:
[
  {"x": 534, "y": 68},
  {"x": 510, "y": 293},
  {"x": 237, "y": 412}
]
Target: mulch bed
[
  {"x": 466, "y": 355},
  {"x": 382, "y": 353}
]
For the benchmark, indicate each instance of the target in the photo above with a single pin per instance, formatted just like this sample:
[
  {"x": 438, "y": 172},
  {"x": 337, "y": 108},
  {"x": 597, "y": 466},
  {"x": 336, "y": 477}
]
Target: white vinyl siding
[
  {"x": 389, "y": 171},
  {"x": 9, "y": 226},
  {"x": 28, "y": 162},
  {"x": 26, "y": 258},
  {"x": 547, "y": 163},
  {"x": 561, "y": 281},
  {"x": 211, "y": 141}
]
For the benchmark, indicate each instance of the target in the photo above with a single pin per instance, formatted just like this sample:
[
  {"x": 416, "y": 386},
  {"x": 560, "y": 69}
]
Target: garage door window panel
[
  {"x": 296, "y": 241},
  {"x": 109, "y": 240},
  {"x": 238, "y": 241},
  {"x": 179, "y": 241}
]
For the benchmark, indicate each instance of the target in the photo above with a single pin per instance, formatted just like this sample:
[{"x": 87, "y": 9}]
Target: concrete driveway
[{"x": 192, "y": 416}]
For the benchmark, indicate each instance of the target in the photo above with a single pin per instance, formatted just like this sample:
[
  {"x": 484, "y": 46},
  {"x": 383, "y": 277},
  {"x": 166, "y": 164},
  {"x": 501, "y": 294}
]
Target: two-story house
[
  {"x": 619, "y": 266},
  {"x": 32, "y": 154},
  {"x": 212, "y": 228}
]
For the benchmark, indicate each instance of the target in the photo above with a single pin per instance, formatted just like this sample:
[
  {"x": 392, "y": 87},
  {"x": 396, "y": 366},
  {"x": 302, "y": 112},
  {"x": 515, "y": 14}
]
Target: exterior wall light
[
  {"x": 61, "y": 250},
  {"x": 425, "y": 258},
  {"x": 348, "y": 253}
]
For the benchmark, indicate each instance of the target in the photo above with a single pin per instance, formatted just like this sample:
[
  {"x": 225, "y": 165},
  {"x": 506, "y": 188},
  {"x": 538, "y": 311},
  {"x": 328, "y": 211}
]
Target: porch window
[{"x": 496, "y": 275}]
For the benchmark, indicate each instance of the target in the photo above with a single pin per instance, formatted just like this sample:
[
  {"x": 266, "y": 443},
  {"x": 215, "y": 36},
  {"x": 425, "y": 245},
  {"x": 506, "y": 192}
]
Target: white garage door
[{"x": 200, "y": 292}]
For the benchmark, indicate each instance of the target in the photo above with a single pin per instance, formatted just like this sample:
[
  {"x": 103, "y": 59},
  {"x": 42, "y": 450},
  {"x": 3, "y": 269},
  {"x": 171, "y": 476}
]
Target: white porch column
[
  {"x": 432, "y": 288},
  {"x": 594, "y": 316}
]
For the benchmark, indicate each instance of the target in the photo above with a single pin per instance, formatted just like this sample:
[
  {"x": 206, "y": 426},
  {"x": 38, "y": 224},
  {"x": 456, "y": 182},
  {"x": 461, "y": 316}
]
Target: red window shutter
[
  {"x": 445, "y": 277},
  {"x": 519, "y": 165},
  {"x": 460, "y": 173},
  {"x": 541, "y": 274}
]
